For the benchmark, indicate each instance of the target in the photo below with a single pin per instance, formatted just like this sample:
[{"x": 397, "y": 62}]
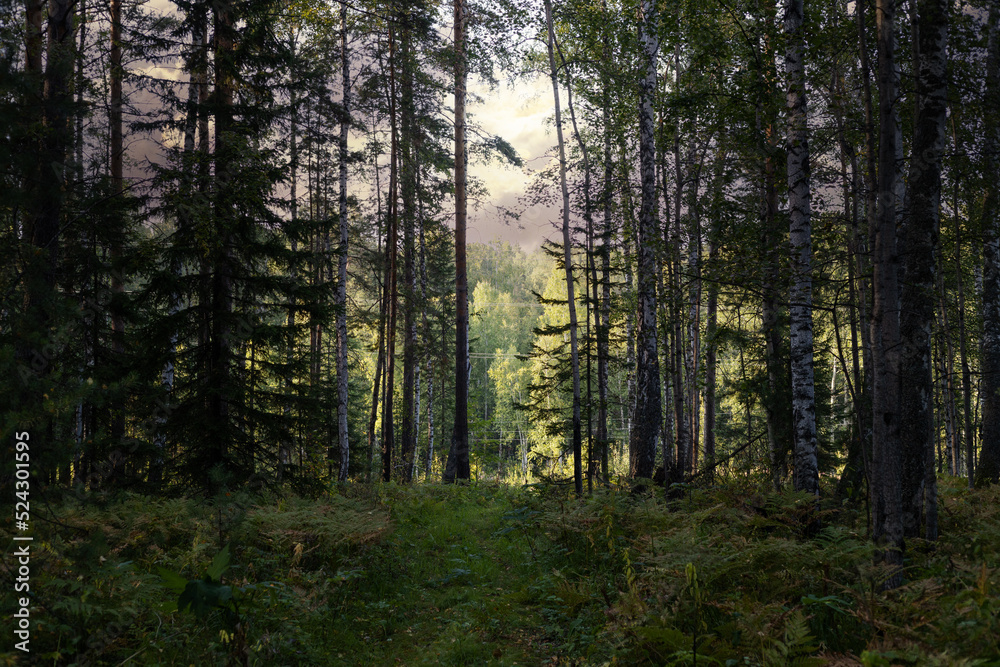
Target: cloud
[{"x": 520, "y": 114}]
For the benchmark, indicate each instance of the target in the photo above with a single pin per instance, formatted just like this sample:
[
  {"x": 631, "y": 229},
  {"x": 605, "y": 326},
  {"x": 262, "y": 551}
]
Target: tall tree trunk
[
  {"x": 776, "y": 404},
  {"x": 682, "y": 404},
  {"x": 646, "y": 430},
  {"x": 806, "y": 476},
  {"x": 342, "y": 256},
  {"x": 865, "y": 243},
  {"x": 919, "y": 257},
  {"x": 604, "y": 327},
  {"x": 392, "y": 250},
  {"x": 989, "y": 458},
  {"x": 852, "y": 477},
  {"x": 458, "y": 457},
  {"x": 44, "y": 186},
  {"x": 591, "y": 270},
  {"x": 969, "y": 432},
  {"x": 887, "y": 484},
  {"x": 430, "y": 356},
  {"x": 221, "y": 352},
  {"x": 712, "y": 314},
  {"x": 567, "y": 260},
  {"x": 408, "y": 157},
  {"x": 380, "y": 347},
  {"x": 692, "y": 352}
]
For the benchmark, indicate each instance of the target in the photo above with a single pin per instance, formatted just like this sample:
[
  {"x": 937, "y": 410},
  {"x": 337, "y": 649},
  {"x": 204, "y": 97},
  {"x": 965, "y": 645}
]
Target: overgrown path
[{"x": 450, "y": 585}]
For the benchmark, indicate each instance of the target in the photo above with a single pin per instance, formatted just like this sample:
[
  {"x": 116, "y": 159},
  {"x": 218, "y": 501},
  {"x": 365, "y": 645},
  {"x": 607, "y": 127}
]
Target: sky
[{"x": 522, "y": 116}]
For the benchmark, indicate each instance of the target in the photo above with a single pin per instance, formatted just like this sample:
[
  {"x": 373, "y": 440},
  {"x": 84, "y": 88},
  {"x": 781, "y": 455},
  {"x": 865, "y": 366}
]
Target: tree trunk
[
  {"x": 969, "y": 432},
  {"x": 604, "y": 328},
  {"x": 430, "y": 356},
  {"x": 458, "y": 456},
  {"x": 919, "y": 256},
  {"x": 646, "y": 430},
  {"x": 408, "y": 157},
  {"x": 342, "y": 257},
  {"x": 887, "y": 484},
  {"x": 712, "y": 315},
  {"x": 392, "y": 250},
  {"x": 567, "y": 260},
  {"x": 988, "y": 471},
  {"x": 805, "y": 476}
]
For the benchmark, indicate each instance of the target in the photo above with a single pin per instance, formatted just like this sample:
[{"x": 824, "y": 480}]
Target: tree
[
  {"x": 567, "y": 257},
  {"x": 646, "y": 429},
  {"x": 342, "y": 250},
  {"x": 458, "y": 456},
  {"x": 886, "y": 487},
  {"x": 806, "y": 476},
  {"x": 989, "y": 460},
  {"x": 919, "y": 283}
]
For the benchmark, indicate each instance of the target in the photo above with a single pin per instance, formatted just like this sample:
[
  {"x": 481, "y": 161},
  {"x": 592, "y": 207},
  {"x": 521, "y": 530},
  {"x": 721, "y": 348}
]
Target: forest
[{"x": 718, "y": 384}]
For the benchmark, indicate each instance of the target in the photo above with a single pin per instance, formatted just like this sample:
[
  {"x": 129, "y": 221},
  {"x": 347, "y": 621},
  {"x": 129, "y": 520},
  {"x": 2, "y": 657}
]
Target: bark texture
[
  {"x": 988, "y": 470},
  {"x": 887, "y": 483},
  {"x": 341, "y": 297},
  {"x": 458, "y": 457},
  {"x": 567, "y": 258},
  {"x": 805, "y": 476},
  {"x": 646, "y": 427},
  {"x": 919, "y": 254}
]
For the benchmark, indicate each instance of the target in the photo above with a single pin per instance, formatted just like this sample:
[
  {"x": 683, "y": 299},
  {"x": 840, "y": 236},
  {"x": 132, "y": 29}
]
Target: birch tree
[
  {"x": 806, "y": 477},
  {"x": 646, "y": 426},
  {"x": 989, "y": 459}
]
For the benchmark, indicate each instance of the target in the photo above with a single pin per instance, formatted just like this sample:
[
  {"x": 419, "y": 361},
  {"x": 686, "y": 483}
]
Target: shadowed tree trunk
[
  {"x": 989, "y": 458},
  {"x": 220, "y": 281},
  {"x": 916, "y": 433},
  {"x": 887, "y": 476},
  {"x": 341, "y": 299},
  {"x": 805, "y": 476},
  {"x": 457, "y": 466},
  {"x": 392, "y": 250},
  {"x": 117, "y": 151}
]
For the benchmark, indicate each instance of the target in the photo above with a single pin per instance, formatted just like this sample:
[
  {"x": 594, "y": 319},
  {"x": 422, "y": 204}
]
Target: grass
[{"x": 492, "y": 575}]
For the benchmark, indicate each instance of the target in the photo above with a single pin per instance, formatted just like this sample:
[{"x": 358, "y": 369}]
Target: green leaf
[
  {"x": 172, "y": 580},
  {"x": 219, "y": 565}
]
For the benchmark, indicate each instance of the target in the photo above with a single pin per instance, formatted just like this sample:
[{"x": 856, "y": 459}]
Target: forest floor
[
  {"x": 448, "y": 586},
  {"x": 494, "y": 575}
]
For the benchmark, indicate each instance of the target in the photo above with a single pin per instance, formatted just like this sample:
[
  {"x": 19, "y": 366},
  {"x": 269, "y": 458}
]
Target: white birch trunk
[
  {"x": 646, "y": 430},
  {"x": 805, "y": 475}
]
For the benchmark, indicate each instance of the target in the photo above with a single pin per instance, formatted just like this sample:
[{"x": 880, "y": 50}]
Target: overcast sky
[{"x": 522, "y": 116}]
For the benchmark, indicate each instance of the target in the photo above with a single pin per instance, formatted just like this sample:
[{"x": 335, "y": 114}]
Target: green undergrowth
[
  {"x": 737, "y": 576},
  {"x": 488, "y": 575}
]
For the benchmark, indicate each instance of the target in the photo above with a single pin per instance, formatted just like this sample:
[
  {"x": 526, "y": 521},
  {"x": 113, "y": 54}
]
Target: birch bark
[
  {"x": 646, "y": 428},
  {"x": 989, "y": 459},
  {"x": 805, "y": 475}
]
